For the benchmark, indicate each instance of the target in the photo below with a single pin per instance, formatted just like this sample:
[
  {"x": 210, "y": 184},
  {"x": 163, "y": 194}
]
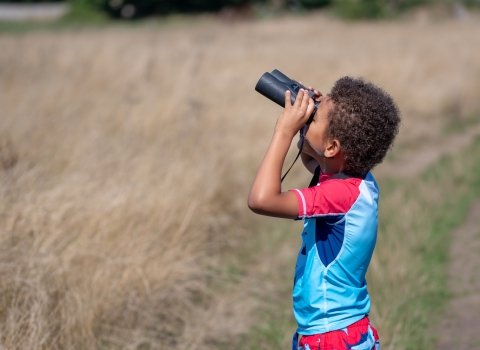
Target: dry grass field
[{"x": 126, "y": 156}]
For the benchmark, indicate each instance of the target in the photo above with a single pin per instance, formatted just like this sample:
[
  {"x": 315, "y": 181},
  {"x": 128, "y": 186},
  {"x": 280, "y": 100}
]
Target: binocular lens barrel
[
  {"x": 273, "y": 86},
  {"x": 273, "y": 89},
  {"x": 280, "y": 76}
]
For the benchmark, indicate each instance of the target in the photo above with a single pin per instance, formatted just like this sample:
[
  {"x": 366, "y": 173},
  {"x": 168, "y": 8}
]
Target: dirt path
[
  {"x": 460, "y": 328},
  {"x": 414, "y": 162}
]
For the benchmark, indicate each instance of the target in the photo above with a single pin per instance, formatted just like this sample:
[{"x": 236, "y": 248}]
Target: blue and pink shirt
[{"x": 340, "y": 218}]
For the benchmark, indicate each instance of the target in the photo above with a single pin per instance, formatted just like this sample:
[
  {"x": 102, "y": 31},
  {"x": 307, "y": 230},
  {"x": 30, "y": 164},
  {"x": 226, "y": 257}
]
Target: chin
[{"x": 308, "y": 150}]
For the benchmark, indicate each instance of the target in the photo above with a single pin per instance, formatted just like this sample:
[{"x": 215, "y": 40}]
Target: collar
[{"x": 319, "y": 177}]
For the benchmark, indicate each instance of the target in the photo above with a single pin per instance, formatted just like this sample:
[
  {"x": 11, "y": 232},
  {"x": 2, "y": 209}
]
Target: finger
[
  {"x": 298, "y": 100},
  {"x": 305, "y": 98},
  {"x": 288, "y": 103},
  {"x": 304, "y": 105},
  {"x": 310, "y": 107},
  {"x": 318, "y": 95},
  {"x": 306, "y": 87}
]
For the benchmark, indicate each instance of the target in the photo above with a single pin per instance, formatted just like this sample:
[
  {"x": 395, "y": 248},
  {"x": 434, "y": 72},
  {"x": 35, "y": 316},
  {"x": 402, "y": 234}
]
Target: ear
[{"x": 333, "y": 148}]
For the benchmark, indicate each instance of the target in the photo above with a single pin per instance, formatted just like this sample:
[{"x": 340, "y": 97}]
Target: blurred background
[{"x": 130, "y": 133}]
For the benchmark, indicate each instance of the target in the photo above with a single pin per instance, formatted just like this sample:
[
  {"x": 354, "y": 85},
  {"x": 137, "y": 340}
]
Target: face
[{"x": 316, "y": 129}]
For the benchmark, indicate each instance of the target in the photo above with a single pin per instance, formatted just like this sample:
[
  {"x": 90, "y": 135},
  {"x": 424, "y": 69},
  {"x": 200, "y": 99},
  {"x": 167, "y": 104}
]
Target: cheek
[{"x": 315, "y": 134}]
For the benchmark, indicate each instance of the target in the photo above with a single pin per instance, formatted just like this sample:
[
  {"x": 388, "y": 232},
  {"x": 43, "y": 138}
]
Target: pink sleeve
[{"x": 331, "y": 197}]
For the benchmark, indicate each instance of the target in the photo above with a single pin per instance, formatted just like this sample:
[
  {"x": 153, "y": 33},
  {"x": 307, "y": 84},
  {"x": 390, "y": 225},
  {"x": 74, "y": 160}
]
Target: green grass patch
[
  {"x": 407, "y": 275},
  {"x": 461, "y": 123},
  {"x": 81, "y": 18},
  {"x": 426, "y": 209}
]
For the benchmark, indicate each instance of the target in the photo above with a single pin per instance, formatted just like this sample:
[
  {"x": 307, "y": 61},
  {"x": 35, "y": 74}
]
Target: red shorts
[{"x": 359, "y": 335}]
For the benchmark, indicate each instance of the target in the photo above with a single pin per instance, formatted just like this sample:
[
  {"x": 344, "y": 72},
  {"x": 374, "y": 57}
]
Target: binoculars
[{"x": 273, "y": 86}]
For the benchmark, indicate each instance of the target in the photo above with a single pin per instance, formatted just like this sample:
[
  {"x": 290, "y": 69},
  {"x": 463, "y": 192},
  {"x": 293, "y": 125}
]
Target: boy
[{"x": 351, "y": 132}]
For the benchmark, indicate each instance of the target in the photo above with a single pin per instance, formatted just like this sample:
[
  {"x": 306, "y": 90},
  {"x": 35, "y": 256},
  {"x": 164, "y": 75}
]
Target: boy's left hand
[
  {"x": 294, "y": 117},
  {"x": 317, "y": 93}
]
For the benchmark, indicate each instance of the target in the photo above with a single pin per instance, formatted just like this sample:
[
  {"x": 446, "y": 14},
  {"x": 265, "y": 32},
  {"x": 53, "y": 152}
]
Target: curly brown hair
[{"x": 365, "y": 120}]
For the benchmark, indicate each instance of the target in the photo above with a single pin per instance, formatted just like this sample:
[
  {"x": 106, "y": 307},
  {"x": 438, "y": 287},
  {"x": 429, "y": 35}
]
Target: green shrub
[
  {"x": 373, "y": 9},
  {"x": 139, "y": 8},
  {"x": 315, "y": 3},
  {"x": 357, "y": 9},
  {"x": 86, "y": 10}
]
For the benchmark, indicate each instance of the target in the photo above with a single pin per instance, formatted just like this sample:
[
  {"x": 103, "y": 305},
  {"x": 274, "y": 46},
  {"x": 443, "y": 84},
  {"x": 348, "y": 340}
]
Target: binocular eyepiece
[{"x": 273, "y": 86}]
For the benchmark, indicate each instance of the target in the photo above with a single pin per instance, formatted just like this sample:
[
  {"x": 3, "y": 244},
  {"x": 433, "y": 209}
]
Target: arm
[{"x": 266, "y": 196}]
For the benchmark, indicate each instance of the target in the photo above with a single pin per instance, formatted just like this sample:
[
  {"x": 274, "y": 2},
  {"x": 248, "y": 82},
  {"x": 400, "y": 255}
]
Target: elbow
[
  {"x": 252, "y": 203},
  {"x": 255, "y": 203}
]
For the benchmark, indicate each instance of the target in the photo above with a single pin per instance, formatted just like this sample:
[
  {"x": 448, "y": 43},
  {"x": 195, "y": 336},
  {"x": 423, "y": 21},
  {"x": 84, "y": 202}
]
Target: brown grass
[{"x": 126, "y": 156}]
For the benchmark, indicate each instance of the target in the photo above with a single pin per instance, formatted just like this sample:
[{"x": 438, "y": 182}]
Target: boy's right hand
[{"x": 295, "y": 116}]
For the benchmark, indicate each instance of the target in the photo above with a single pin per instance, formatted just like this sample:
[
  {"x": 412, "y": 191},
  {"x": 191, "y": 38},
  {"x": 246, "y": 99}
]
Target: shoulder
[{"x": 330, "y": 197}]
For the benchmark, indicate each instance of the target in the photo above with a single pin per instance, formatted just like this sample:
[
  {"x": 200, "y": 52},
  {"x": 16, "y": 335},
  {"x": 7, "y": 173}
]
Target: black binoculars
[{"x": 273, "y": 86}]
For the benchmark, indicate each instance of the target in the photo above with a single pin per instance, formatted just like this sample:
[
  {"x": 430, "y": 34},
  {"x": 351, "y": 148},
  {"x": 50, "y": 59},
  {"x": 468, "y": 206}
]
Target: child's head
[{"x": 365, "y": 120}]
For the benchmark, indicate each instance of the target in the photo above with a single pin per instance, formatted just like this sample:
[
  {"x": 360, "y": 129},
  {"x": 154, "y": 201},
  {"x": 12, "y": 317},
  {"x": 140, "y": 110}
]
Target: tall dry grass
[{"x": 127, "y": 153}]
